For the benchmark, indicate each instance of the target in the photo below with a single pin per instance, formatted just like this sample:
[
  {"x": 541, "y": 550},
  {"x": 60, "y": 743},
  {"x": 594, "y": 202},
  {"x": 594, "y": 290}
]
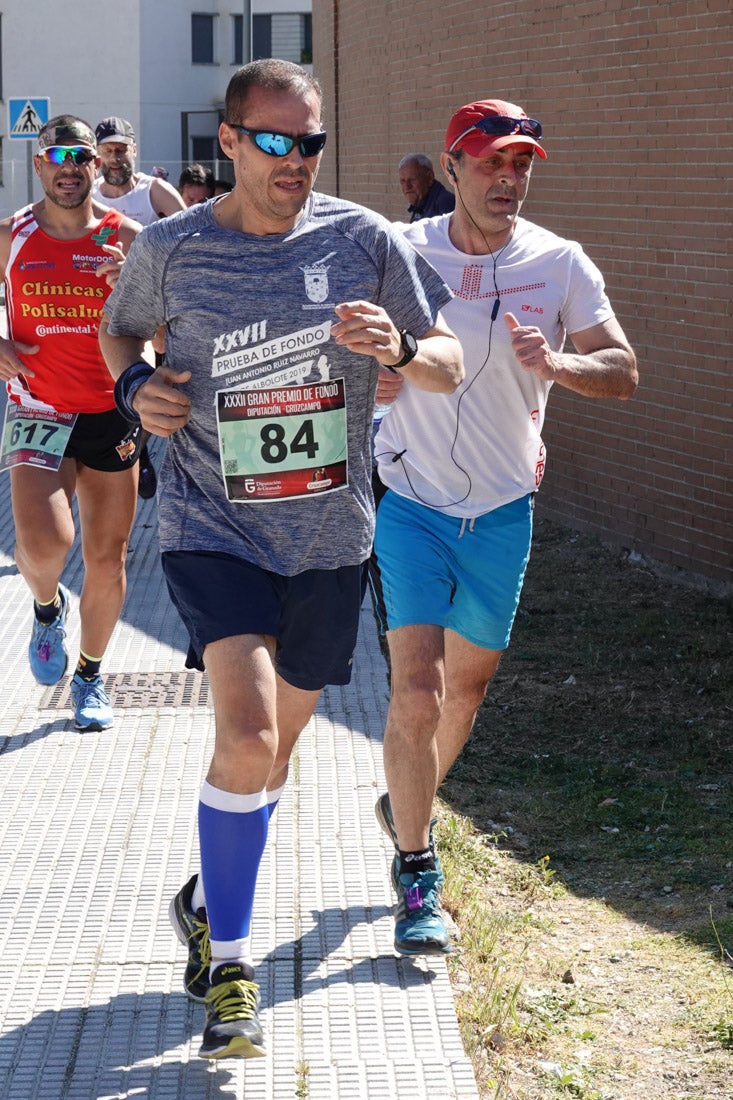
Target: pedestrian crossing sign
[{"x": 27, "y": 115}]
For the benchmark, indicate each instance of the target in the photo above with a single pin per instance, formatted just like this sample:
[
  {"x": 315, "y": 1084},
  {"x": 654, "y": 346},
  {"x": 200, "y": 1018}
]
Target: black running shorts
[
  {"x": 313, "y": 616},
  {"x": 104, "y": 441}
]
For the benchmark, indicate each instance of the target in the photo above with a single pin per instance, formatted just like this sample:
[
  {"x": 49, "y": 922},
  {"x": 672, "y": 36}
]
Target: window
[
  {"x": 306, "y": 39},
  {"x": 202, "y": 39},
  {"x": 238, "y": 31},
  {"x": 288, "y": 35},
  {"x": 204, "y": 151},
  {"x": 262, "y": 37}
]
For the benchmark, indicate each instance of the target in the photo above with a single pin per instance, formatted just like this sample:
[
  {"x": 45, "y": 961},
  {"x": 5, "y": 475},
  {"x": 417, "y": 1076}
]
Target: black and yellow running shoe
[
  {"x": 192, "y": 929},
  {"x": 232, "y": 1026}
]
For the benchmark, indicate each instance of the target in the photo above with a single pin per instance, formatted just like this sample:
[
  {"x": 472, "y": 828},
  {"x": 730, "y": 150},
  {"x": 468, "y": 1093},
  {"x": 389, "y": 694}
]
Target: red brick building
[{"x": 635, "y": 101}]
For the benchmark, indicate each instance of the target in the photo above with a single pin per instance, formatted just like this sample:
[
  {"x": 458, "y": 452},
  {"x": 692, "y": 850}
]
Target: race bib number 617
[{"x": 34, "y": 437}]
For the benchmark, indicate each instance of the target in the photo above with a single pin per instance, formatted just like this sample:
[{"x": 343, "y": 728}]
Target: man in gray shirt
[{"x": 280, "y": 304}]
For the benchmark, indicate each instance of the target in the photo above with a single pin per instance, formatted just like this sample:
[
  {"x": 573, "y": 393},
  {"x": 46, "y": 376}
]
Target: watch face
[
  {"x": 409, "y": 343},
  {"x": 409, "y": 349}
]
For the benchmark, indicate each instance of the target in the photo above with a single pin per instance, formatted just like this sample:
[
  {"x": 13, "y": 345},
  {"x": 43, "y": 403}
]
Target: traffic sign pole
[{"x": 29, "y": 169}]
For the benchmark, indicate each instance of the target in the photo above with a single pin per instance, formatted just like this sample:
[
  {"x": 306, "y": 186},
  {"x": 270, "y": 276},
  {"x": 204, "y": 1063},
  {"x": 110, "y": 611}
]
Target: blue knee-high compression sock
[
  {"x": 232, "y": 836},
  {"x": 198, "y": 898}
]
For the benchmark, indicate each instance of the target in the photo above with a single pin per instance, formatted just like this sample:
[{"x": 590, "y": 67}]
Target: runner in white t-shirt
[{"x": 454, "y": 527}]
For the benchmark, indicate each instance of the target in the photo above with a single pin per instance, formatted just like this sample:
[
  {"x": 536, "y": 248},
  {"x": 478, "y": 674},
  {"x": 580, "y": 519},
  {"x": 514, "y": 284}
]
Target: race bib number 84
[{"x": 283, "y": 443}]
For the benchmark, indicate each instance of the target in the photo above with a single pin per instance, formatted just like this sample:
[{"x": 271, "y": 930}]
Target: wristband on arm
[{"x": 127, "y": 386}]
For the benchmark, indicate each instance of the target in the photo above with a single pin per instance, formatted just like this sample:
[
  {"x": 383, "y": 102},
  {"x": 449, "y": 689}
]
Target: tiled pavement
[{"x": 98, "y": 832}]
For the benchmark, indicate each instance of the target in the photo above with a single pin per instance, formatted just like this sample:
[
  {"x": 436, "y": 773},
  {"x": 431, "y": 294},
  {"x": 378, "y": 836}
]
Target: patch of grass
[
  {"x": 302, "y": 1072},
  {"x": 716, "y": 936},
  {"x": 598, "y": 783},
  {"x": 486, "y": 992}
]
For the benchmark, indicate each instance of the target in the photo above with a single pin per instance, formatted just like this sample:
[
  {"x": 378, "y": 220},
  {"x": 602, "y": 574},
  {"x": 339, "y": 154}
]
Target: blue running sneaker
[
  {"x": 383, "y": 813},
  {"x": 47, "y": 651},
  {"x": 232, "y": 1028},
  {"x": 419, "y": 925},
  {"x": 91, "y": 705}
]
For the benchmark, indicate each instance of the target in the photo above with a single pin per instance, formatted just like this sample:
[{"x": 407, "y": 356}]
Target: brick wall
[{"x": 636, "y": 106}]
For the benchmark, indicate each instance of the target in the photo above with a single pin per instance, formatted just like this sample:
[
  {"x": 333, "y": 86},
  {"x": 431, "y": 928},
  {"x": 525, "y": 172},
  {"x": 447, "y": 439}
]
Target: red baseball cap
[{"x": 463, "y": 132}]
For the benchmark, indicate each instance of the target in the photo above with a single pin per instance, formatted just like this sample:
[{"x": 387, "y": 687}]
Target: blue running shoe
[
  {"x": 383, "y": 813},
  {"x": 47, "y": 651},
  {"x": 419, "y": 925},
  {"x": 91, "y": 705}
]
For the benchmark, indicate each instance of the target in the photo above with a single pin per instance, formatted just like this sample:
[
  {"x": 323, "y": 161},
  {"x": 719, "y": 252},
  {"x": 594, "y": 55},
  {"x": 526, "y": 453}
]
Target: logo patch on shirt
[
  {"x": 316, "y": 279},
  {"x": 81, "y": 262},
  {"x": 103, "y": 234}
]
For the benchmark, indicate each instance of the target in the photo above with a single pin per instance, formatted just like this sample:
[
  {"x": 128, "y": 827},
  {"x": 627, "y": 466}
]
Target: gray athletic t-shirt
[{"x": 274, "y": 465}]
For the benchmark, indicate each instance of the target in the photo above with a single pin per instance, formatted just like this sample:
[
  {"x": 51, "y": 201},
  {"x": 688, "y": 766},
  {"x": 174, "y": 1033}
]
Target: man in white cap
[
  {"x": 143, "y": 198},
  {"x": 461, "y": 470}
]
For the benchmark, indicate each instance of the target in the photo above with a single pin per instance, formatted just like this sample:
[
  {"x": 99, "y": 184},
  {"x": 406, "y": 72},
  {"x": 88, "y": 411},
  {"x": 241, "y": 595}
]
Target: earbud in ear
[{"x": 451, "y": 171}]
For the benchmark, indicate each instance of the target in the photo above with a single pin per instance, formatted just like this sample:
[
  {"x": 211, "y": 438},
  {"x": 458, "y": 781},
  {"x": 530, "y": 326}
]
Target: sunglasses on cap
[
  {"x": 57, "y": 154},
  {"x": 279, "y": 145},
  {"x": 501, "y": 126}
]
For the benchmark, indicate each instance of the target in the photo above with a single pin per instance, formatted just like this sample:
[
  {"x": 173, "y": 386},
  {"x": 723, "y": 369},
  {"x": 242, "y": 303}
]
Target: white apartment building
[{"x": 162, "y": 64}]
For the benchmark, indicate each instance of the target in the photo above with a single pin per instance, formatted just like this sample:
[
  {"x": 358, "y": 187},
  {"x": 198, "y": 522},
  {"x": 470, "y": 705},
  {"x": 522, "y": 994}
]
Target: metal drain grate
[{"x": 140, "y": 691}]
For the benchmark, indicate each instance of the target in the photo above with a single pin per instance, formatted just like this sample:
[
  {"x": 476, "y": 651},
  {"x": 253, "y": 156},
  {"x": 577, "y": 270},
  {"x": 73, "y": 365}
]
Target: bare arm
[
  {"x": 162, "y": 406},
  {"x": 11, "y": 365},
  {"x": 119, "y": 352},
  {"x": 603, "y": 365},
  {"x": 165, "y": 199},
  {"x": 366, "y": 329}
]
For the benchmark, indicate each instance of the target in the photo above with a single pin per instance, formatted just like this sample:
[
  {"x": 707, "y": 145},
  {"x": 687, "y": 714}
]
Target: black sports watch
[{"x": 409, "y": 347}]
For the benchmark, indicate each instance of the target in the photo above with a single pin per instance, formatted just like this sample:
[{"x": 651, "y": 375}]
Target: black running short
[
  {"x": 313, "y": 616},
  {"x": 104, "y": 441}
]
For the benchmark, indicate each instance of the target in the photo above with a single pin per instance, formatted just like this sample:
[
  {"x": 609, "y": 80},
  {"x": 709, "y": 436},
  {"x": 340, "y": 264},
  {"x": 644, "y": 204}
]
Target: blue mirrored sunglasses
[
  {"x": 279, "y": 145},
  {"x": 57, "y": 154},
  {"x": 501, "y": 126}
]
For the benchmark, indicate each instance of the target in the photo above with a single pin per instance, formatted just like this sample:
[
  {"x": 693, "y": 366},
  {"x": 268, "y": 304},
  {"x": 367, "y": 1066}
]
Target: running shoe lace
[
  {"x": 92, "y": 692},
  {"x": 47, "y": 638},
  {"x": 235, "y": 1000},
  {"x": 200, "y": 937},
  {"x": 420, "y": 897}
]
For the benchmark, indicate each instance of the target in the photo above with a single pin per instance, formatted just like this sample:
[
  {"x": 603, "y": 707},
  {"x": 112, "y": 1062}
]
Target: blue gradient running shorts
[{"x": 464, "y": 575}]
